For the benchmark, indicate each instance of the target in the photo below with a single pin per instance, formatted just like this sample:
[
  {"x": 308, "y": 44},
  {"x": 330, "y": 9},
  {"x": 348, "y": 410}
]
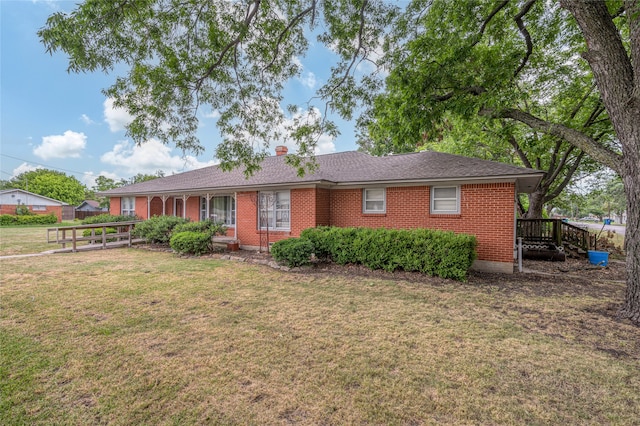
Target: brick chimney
[{"x": 281, "y": 150}]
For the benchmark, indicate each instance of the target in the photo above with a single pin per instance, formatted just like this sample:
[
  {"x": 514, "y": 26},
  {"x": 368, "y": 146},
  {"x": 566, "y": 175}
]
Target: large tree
[
  {"x": 50, "y": 183},
  {"x": 235, "y": 57},
  {"x": 520, "y": 62}
]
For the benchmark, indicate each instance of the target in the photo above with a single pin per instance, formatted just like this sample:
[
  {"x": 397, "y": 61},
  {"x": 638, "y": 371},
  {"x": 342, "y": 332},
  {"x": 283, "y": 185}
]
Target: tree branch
[
  {"x": 251, "y": 13},
  {"x": 311, "y": 9},
  {"x": 493, "y": 13},
  {"x": 578, "y": 139},
  {"x": 567, "y": 179},
  {"x": 525, "y": 33},
  {"x": 523, "y": 157}
]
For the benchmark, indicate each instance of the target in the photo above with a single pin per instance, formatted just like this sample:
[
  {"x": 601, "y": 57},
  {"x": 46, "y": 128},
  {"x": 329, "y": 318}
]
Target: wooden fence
[{"x": 111, "y": 234}]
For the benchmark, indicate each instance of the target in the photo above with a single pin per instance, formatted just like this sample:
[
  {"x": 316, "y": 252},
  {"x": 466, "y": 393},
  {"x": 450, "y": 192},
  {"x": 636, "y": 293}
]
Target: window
[
  {"x": 274, "y": 209},
  {"x": 128, "y": 206},
  {"x": 445, "y": 200},
  {"x": 221, "y": 209},
  {"x": 373, "y": 200},
  {"x": 36, "y": 208}
]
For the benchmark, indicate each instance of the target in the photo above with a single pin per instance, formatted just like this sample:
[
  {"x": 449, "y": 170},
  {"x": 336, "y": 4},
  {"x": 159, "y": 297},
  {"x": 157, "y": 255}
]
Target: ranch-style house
[{"x": 417, "y": 190}]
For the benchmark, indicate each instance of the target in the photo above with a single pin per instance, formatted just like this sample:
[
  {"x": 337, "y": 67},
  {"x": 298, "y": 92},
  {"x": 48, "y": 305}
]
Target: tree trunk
[
  {"x": 618, "y": 79},
  {"x": 631, "y": 308},
  {"x": 536, "y": 204}
]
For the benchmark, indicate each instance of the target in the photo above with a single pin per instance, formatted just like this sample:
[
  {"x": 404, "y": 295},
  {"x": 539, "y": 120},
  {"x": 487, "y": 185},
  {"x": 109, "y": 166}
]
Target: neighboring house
[
  {"x": 91, "y": 206},
  {"x": 418, "y": 190},
  {"x": 10, "y": 199}
]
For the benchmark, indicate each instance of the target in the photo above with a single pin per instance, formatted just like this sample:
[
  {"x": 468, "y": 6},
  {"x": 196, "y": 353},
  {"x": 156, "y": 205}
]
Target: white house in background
[{"x": 10, "y": 199}]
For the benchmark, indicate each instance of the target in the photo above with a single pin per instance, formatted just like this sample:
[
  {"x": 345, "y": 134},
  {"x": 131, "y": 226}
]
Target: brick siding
[{"x": 486, "y": 211}]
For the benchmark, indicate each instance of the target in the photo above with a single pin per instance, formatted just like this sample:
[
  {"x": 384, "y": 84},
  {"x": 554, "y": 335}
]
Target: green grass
[
  {"x": 16, "y": 240},
  {"x": 135, "y": 337}
]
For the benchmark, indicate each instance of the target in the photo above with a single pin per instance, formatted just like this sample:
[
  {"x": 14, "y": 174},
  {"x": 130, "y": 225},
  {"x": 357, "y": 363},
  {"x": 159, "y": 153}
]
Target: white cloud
[
  {"x": 68, "y": 145},
  {"x": 213, "y": 114},
  {"x": 87, "y": 120},
  {"x": 117, "y": 118},
  {"x": 24, "y": 167},
  {"x": 148, "y": 158},
  {"x": 89, "y": 178},
  {"x": 309, "y": 80}
]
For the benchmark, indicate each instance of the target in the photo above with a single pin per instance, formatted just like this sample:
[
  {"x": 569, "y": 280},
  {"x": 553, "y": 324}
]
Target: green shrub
[
  {"x": 36, "y": 219},
  {"x": 107, "y": 218},
  {"x": 429, "y": 251},
  {"x": 191, "y": 242},
  {"x": 23, "y": 210},
  {"x": 157, "y": 229},
  {"x": 98, "y": 231},
  {"x": 209, "y": 226},
  {"x": 293, "y": 251}
]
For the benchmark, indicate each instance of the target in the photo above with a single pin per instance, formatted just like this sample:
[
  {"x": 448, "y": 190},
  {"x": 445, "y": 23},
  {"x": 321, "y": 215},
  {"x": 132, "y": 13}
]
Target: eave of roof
[{"x": 340, "y": 169}]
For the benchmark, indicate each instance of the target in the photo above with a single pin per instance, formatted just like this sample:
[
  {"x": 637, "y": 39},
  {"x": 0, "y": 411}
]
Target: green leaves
[
  {"x": 52, "y": 184},
  {"x": 232, "y": 57}
]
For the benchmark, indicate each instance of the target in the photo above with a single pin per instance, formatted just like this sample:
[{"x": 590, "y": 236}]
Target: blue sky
[{"x": 61, "y": 121}]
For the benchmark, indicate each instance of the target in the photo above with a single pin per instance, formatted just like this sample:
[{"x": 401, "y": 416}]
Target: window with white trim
[
  {"x": 38, "y": 208},
  {"x": 373, "y": 200},
  {"x": 274, "y": 210},
  {"x": 445, "y": 199},
  {"x": 222, "y": 209},
  {"x": 128, "y": 206}
]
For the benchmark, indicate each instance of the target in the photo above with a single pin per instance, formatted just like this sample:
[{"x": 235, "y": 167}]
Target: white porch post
[
  {"x": 184, "y": 206},
  {"x": 235, "y": 213},
  {"x": 206, "y": 209},
  {"x": 164, "y": 204},
  {"x": 149, "y": 198}
]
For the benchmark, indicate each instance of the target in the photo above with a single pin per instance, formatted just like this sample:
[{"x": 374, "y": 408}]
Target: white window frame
[
  {"x": 38, "y": 208},
  {"x": 434, "y": 199},
  {"x": 365, "y": 198},
  {"x": 231, "y": 212},
  {"x": 274, "y": 210},
  {"x": 128, "y": 212}
]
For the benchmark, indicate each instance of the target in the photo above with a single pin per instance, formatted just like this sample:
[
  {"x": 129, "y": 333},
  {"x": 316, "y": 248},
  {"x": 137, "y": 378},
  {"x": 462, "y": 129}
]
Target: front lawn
[{"x": 130, "y": 336}]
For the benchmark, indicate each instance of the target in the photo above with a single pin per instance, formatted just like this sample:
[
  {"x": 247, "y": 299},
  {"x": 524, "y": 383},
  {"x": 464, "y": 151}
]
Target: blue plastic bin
[
  {"x": 600, "y": 258},
  {"x": 607, "y": 221}
]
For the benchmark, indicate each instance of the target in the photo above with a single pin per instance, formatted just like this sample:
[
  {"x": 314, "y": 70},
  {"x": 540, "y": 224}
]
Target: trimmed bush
[
  {"x": 209, "y": 226},
  {"x": 293, "y": 251},
  {"x": 157, "y": 229},
  {"x": 190, "y": 242},
  {"x": 36, "y": 219},
  {"x": 107, "y": 218},
  {"x": 429, "y": 251}
]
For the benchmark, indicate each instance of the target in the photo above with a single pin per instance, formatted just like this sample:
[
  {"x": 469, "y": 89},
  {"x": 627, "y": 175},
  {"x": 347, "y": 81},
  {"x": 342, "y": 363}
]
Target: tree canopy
[{"x": 50, "y": 183}]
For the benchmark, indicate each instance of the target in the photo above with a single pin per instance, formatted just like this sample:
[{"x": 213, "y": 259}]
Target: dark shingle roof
[{"x": 344, "y": 168}]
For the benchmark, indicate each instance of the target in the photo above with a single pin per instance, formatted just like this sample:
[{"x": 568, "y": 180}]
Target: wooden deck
[{"x": 554, "y": 231}]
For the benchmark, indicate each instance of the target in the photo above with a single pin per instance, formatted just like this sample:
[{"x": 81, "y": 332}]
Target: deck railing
[
  {"x": 554, "y": 231},
  {"x": 74, "y": 234}
]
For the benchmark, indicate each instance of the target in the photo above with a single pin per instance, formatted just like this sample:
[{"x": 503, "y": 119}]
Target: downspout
[{"x": 235, "y": 219}]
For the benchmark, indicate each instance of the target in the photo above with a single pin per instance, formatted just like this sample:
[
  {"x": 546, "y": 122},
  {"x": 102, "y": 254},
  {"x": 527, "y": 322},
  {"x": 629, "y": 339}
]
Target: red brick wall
[
  {"x": 11, "y": 209},
  {"x": 486, "y": 211},
  {"x": 323, "y": 207},
  {"x": 114, "y": 206}
]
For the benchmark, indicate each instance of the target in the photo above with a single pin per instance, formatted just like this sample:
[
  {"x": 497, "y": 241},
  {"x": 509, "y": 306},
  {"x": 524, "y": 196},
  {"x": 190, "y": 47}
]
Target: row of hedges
[
  {"x": 37, "y": 219},
  {"x": 429, "y": 251},
  {"x": 107, "y": 218},
  {"x": 183, "y": 236}
]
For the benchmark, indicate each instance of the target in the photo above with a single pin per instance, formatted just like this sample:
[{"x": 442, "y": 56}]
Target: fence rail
[
  {"x": 112, "y": 233},
  {"x": 554, "y": 231}
]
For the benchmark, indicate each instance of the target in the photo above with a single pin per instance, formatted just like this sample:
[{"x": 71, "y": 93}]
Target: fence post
[{"x": 557, "y": 232}]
